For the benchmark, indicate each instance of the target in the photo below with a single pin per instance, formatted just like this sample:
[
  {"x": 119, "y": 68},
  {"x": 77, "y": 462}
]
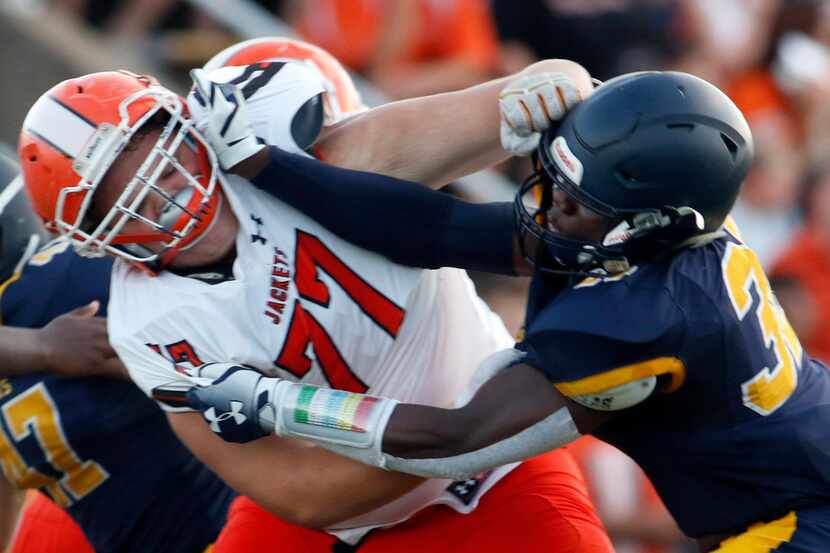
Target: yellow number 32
[{"x": 769, "y": 389}]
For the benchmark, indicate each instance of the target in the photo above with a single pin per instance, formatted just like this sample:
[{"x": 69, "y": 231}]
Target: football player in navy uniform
[
  {"x": 95, "y": 445},
  {"x": 650, "y": 323}
]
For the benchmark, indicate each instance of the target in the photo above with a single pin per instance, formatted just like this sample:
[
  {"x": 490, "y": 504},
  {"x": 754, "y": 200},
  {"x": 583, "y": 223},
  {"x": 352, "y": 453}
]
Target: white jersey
[{"x": 305, "y": 305}]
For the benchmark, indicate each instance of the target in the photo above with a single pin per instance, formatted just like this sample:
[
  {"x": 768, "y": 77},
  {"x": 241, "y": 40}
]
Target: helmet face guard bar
[
  {"x": 569, "y": 255},
  {"x": 639, "y": 234},
  {"x": 181, "y": 212}
]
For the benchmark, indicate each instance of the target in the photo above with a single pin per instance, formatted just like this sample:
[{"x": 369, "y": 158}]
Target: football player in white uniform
[{"x": 214, "y": 270}]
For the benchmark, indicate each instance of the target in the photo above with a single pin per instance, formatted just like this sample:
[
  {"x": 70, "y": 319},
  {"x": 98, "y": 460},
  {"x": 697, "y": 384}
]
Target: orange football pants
[
  {"x": 540, "y": 507},
  {"x": 46, "y": 528}
]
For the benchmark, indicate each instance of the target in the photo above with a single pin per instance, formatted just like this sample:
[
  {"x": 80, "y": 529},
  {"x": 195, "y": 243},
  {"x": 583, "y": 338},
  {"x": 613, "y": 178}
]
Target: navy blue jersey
[
  {"x": 99, "y": 447},
  {"x": 741, "y": 432}
]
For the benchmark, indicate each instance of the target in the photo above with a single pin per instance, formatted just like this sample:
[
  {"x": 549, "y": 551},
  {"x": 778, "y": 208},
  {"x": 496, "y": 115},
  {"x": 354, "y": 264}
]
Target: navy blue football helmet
[
  {"x": 20, "y": 229},
  {"x": 661, "y": 155}
]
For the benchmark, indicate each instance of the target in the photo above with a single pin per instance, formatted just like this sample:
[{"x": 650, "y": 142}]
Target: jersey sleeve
[
  {"x": 602, "y": 340},
  {"x": 151, "y": 370},
  {"x": 283, "y": 100},
  {"x": 158, "y": 341}
]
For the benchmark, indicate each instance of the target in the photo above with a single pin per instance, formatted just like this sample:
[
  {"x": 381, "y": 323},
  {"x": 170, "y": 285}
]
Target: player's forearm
[
  {"x": 11, "y": 503},
  {"x": 434, "y": 139},
  {"x": 401, "y": 220},
  {"x": 301, "y": 484},
  {"x": 73, "y": 344},
  {"x": 430, "y": 441},
  {"x": 418, "y": 431},
  {"x": 21, "y": 352},
  {"x": 333, "y": 489},
  {"x": 457, "y": 450},
  {"x": 431, "y": 140}
]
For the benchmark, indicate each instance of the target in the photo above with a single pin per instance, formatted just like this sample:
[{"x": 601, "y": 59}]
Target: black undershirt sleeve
[{"x": 408, "y": 223}]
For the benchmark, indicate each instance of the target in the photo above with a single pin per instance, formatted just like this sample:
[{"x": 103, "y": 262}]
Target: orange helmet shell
[
  {"x": 75, "y": 132},
  {"x": 47, "y": 160}
]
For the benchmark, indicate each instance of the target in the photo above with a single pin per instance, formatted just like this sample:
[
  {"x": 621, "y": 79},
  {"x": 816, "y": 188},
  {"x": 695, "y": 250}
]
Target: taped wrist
[
  {"x": 401, "y": 220},
  {"x": 325, "y": 416}
]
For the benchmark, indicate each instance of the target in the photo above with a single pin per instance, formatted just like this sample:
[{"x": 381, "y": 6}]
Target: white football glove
[
  {"x": 528, "y": 104},
  {"x": 225, "y": 124}
]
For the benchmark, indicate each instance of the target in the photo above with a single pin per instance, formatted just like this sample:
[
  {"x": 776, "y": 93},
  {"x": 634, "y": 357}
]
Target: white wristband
[{"x": 330, "y": 418}]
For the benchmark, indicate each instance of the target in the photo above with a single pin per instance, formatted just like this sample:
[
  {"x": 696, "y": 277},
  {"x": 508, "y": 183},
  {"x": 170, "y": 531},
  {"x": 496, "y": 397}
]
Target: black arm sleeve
[{"x": 401, "y": 220}]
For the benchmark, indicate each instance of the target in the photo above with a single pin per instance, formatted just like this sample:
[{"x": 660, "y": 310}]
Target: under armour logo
[
  {"x": 466, "y": 490},
  {"x": 235, "y": 414},
  {"x": 464, "y": 487},
  {"x": 256, "y": 236}
]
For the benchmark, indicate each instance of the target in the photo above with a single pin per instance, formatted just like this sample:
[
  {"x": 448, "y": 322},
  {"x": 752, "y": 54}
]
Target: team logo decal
[
  {"x": 235, "y": 413},
  {"x": 256, "y": 236},
  {"x": 566, "y": 161},
  {"x": 466, "y": 490},
  {"x": 280, "y": 281}
]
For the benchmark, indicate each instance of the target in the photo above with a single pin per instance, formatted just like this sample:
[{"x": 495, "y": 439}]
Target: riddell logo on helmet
[
  {"x": 105, "y": 139},
  {"x": 566, "y": 161}
]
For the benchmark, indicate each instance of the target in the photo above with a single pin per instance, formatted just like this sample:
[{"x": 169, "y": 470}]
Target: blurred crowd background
[{"x": 771, "y": 56}]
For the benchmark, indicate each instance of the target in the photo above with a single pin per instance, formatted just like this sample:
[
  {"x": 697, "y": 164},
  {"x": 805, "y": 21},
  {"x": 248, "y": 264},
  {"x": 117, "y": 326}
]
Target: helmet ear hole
[
  {"x": 624, "y": 175},
  {"x": 681, "y": 126},
  {"x": 731, "y": 145}
]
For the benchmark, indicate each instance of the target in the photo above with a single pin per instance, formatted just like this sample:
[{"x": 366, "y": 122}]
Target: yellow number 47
[{"x": 34, "y": 413}]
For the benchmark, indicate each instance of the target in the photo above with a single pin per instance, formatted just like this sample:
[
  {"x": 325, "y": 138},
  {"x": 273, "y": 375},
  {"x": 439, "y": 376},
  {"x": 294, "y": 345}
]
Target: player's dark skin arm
[
  {"x": 74, "y": 344},
  {"x": 11, "y": 502},
  {"x": 505, "y": 405}
]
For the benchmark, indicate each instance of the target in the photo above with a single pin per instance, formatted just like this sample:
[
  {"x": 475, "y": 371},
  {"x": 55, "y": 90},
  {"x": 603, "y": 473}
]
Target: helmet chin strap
[
  {"x": 652, "y": 233},
  {"x": 701, "y": 239},
  {"x": 644, "y": 235}
]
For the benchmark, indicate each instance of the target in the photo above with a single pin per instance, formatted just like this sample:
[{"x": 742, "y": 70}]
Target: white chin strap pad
[{"x": 550, "y": 433}]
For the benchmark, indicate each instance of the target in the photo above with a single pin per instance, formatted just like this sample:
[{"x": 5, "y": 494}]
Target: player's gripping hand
[
  {"x": 241, "y": 405},
  {"x": 225, "y": 122},
  {"x": 238, "y": 402},
  {"x": 529, "y": 104},
  {"x": 75, "y": 344}
]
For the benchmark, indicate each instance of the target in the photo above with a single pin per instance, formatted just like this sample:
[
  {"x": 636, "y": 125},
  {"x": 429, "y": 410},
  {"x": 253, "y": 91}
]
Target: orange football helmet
[
  {"x": 73, "y": 135},
  {"x": 341, "y": 98}
]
